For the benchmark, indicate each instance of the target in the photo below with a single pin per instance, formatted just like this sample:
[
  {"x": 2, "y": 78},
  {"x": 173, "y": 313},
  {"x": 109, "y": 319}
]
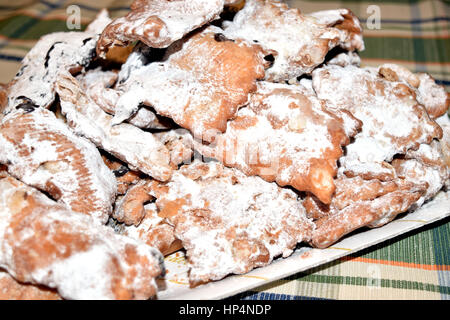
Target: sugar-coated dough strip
[
  {"x": 444, "y": 122},
  {"x": 393, "y": 120},
  {"x": 11, "y": 289},
  {"x": 154, "y": 231},
  {"x": 43, "y": 242},
  {"x": 433, "y": 96},
  {"x": 200, "y": 84},
  {"x": 229, "y": 222},
  {"x": 41, "y": 150},
  {"x": 124, "y": 176},
  {"x": 130, "y": 208},
  {"x": 286, "y": 135},
  {"x": 70, "y": 51},
  {"x": 300, "y": 42},
  {"x": 348, "y": 191},
  {"x": 365, "y": 212},
  {"x": 346, "y": 21},
  {"x": 158, "y": 23},
  {"x": 428, "y": 93},
  {"x": 425, "y": 165},
  {"x": 180, "y": 144},
  {"x": 138, "y": 148},
  {"x": 97, "y": 85}
]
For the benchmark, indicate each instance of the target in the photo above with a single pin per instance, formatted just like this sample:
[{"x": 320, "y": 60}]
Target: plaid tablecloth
[{"x": 412, "y": 33}]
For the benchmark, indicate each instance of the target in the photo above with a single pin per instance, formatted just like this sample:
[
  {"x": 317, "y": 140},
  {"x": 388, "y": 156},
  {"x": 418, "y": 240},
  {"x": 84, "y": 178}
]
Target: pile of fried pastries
[{"x": 234, "y": 131}]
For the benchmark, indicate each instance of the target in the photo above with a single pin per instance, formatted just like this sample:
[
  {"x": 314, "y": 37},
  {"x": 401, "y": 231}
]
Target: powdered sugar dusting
[
  {"x": 49, "y": 56},
  {"x": 128, "y": 143},
  {"x": 67, "y": 251},
  {"x": 231, "y": 223},
  {"x": 42, "y": 151},
  {"x": 159, "y": 23},
  {"x": 200, "y": 84},
  {"x": 284, "y": 135},
  {"x": 393, "y": 121},
  {"x": 300, "y": 42}
]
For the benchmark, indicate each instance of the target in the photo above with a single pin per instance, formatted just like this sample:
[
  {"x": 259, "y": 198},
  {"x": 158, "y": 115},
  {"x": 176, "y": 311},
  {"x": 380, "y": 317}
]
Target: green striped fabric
[{"x": 412, "y": 33}]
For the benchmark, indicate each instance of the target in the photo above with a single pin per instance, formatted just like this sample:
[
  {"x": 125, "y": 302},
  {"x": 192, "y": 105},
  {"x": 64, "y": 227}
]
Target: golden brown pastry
[
  {"x": 10, "y": 289},
  {"x": 158, "y": 23},
  {"x": 300, "y": 42},
  {"x": 229, "y": 222},
  {"x": 200, "y": 84},
  {"x": 53, "y": 53},
  {"x": 45, "y": 243},
  {"x": 286, "y": 135},
  {"x": 139, "y": 149},
  {"x": 369, "y": 203},
  {"x": 393, "y": 120},
  {"x": 154, "y": 231},
  {"x": 41, "y": 150}
]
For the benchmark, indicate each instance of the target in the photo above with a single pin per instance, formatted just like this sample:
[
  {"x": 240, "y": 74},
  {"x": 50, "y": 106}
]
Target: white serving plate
[{"x": 175, "y": 285}]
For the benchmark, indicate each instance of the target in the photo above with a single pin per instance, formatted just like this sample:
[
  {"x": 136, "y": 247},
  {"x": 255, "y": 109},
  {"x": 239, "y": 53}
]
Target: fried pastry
[
  {"x": 10, "y": 289},
  {"x": 98, "y": 87},
  {"x": 229, "y": 222},
  {"x": 286, "y": 135},
  {"x": 139, "y": 149},
  {"x": 201, "y": 82},
  {"x": 45, "y": 243},
  {"x": 158, "y": 23},
  {"x": 40, "y": 150},
  {"x": 432, "y": 96},
  {"x": 425, "y": 165},
  {"x": 393, "y": 120},
  {"x": 370, "y": 203},
  {"x": 444, "y": 122},
  {"x": 130, "y": 208},
  {"x": 3, "y": 98},
  {"x": 344, "y": 59},
  {"x": 348, "y": 191},
  {"x": 154, "y": 231},
  {"x": 53, "y": 53},
  {"x": 180, "y": 144},
  {"x": 124, "y": 176},
  {"x": 300, "y": 42},
  {"x": 428, "y": 93}
]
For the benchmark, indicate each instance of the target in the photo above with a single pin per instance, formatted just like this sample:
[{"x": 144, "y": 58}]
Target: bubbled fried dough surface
[
  {"x": 130, "y": 208},
  {"x": 444, "y": 122},
  {"x": 229, "y": 222},
  {"x": 44, "y": 243},
  {"x": 286, "y": 135},
  {"x": 300, "y": 42},
  {"x": 428, "y": 93},
  {"x": 154, "y": 231},
  {"x": 348, "y": 191},
  {"x": 11, "y": 289},
  {"x": 158, "y": 23},
  {"x": 201, "y": 83},
  {"x": 53, "y": 53},
  {"x": 124, "y": 176},
  {"x": 98, "y": 85},
  {"x": 346, "y": 21},
  {"x": 138, "y": 148},
  {"x": 180, "y": 144},
  {"x": 377, "y": 204},
  {"x": 425, "y": 165},
  {"x": 40, "y": 150},
  {"x": 393, "y": 120}
]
